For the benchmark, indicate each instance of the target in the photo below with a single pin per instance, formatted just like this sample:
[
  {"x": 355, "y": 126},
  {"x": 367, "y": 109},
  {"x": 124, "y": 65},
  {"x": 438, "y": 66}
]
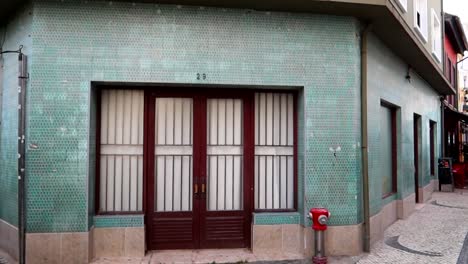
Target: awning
[{"x": 453, "y": 113}]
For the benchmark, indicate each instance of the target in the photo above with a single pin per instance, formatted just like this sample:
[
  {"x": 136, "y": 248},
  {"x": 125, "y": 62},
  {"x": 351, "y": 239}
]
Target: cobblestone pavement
[{"x": 434, "y": 233}]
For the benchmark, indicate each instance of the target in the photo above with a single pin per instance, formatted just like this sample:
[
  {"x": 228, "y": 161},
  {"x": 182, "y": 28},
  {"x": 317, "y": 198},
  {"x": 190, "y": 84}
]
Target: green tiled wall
[
  {"x": 387, "y": 82},
  {"x": 119, "y": 221},
  {"x": 276, "y": 218},
  {"x": 93, "y": 103},
  {"x": 76, "y": 43},
  {"x": 17, "y": 32}
]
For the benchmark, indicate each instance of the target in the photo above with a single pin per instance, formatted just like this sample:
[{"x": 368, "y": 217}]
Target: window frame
[
  {"x": 436, "y": 36},
  {"x": 421, "y": 28},
  {"x": 294, "y": 93},
  {"x": 393, "y": 109},
  {"x": 249, "y": 99},
  {"x": 403, "y": 5},
  {"x": 97, "y": 173}
]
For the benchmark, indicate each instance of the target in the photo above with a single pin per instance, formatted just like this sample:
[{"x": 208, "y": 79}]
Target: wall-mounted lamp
[{"x": 408, "y": 74}]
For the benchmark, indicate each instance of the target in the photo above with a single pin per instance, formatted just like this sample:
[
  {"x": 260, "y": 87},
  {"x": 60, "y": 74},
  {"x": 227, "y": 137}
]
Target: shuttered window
[
  {"x": 120, "y": 179},
  {"x": 121, "y": 151},
  {"x": 274, "y": 151}
]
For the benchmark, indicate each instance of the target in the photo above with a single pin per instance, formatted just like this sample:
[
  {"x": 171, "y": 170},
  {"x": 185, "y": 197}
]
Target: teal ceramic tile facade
[
  {"x": 17, "y": 32},
  {"x": 76, "y": 43},
  {"x": 93, "y": 105},
  {"x": 387, "y": 82},
  {"x": 119, "y": 221},
  {"x": 276, "y": 218}
]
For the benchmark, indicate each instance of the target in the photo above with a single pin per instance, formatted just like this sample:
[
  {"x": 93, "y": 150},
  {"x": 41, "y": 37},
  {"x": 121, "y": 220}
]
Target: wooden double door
[{"x": 199, "y": 155}]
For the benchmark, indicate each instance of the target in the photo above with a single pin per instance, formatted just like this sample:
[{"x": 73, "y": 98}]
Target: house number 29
[{"x": 201, "y": 76}]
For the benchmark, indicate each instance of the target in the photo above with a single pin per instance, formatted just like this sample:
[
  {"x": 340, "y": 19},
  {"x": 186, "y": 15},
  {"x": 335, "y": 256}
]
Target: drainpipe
[
  {"x": 364, "y": 148},
  {"x": 22, "y": 59},
  {"x": 442, "y": 127},
  {"x": 444, "y": 68}
]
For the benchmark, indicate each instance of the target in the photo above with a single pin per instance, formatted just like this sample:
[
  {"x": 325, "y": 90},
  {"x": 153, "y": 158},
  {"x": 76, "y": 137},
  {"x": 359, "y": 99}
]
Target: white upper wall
[{"x": 424, "y": 17}]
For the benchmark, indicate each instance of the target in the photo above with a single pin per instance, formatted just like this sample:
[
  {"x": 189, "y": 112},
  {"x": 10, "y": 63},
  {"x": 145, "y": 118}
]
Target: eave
[
  {"x": 383, "y": 15},
  {"x": 454, "y": 30}
]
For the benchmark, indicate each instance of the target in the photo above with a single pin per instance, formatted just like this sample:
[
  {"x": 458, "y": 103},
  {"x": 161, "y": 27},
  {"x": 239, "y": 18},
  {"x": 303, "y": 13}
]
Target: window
[
  {"x": 453, "y": 76},
  {"x": 420, "y": 18},
  {"x": 260, "y": 134},
  {"x": 403, "y": 5},
  {"x": 451, "y": 72},
  {"x": 274, "y": 151},
  {"x": 432, "y": 137},
  {"x": 436, "y": 36},
  {"x": 120, "y": 180},
  {"x": 388, "y": 151}
]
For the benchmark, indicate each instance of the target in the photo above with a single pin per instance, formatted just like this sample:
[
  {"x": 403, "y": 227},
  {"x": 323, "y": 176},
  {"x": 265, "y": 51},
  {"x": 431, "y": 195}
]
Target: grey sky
[{"x": 458, "y": 8}]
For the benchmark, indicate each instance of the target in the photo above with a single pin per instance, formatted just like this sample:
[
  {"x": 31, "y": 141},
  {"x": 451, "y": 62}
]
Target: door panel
[
  {"x": 198, "y": 192},
  {"x": 223, "y": 218},
  {"x": 173, "y": 154},
  {"x": 416, "y": 120},
  {"x": 172, "y": 218},
  {"x": 224, "y": 154}
]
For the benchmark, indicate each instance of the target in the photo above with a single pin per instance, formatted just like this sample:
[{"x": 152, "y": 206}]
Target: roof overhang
[
  {"x": 456, "y": 33},
  {"x": 386, "y": 21}
]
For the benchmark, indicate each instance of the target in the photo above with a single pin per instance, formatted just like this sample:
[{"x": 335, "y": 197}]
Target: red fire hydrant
[{"x": 319, "y": 218}]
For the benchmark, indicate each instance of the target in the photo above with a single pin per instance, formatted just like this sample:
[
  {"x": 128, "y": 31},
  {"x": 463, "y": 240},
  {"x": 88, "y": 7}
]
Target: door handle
[
  {"x": 203, "y": 188},
  {"x": 196, "y": 188}
]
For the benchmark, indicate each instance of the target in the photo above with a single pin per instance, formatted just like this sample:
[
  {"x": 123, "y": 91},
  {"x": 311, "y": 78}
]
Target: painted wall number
[{"x": 201, "y": 76}]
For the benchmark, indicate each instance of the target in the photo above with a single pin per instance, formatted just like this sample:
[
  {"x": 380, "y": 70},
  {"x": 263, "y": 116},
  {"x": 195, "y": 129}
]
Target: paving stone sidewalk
[{"x": 434, "y": 233}]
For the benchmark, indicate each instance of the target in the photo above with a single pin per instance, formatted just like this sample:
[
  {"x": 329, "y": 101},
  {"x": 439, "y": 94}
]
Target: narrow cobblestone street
[{"x": 434, "y": 233}]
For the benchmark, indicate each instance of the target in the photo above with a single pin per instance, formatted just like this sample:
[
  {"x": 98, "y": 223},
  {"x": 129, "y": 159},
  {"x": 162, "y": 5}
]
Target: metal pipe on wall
[
  {"x": 442, "y": 121},
  {"x": 364, "y": 145},
  {"x": 22, "y": 78}
]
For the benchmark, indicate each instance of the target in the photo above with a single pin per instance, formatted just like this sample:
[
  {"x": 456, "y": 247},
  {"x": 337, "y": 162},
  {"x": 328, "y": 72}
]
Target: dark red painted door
[
  {"x": 227, "y": 153},
  {"x": 198, "y": 183},
  {"x": 416, "y": 120}
]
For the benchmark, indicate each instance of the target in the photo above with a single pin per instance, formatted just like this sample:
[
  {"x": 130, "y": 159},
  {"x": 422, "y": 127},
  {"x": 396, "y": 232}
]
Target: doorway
[
  {"x": 199, "y": 174},
  {"x": 196, "y": 162},
  {"x": 416, "y": 148}
]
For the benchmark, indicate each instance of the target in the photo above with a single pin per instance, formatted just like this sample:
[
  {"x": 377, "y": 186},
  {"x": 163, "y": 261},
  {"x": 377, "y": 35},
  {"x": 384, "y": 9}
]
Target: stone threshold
[{"x": 209, "y": 256}]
